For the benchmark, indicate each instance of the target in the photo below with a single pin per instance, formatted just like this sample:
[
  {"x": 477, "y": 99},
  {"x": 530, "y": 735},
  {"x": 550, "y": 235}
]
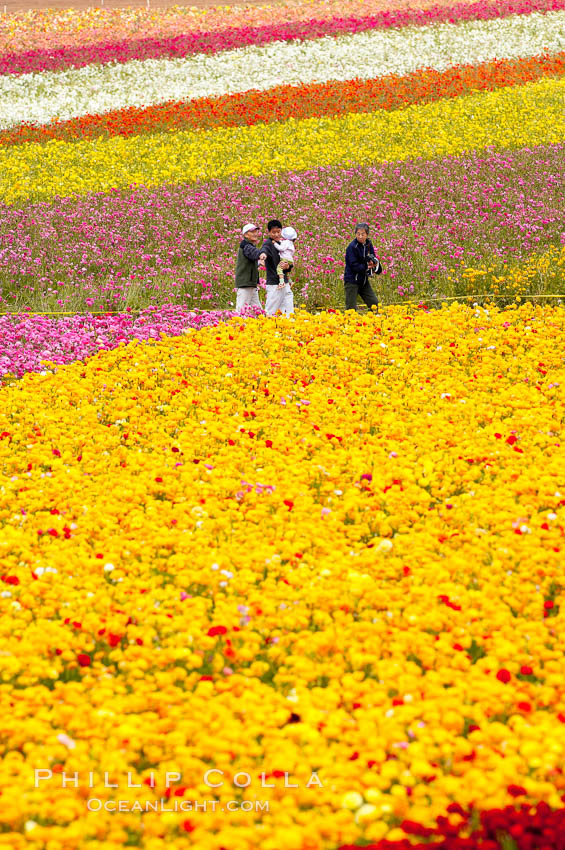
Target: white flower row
[{"x": 43, "y": 97}]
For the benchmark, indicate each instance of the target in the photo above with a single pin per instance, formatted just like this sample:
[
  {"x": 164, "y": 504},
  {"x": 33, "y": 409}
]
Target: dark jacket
[
  {"x": 272, "y": 261},
  {"x": 246, "y": 270},
  {"x": 356, "y": 262}
]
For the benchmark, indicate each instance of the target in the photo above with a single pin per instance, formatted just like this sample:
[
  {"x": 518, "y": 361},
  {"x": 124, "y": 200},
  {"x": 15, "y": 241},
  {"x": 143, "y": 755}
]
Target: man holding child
[
  {"x": 274, "y": 256},
  {"x": 279, "y": 292}
]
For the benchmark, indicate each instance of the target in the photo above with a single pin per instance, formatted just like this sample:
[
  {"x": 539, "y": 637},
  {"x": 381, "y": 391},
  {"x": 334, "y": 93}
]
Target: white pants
[
  {"x": 247, "y": 296},
  {"x": 279, "y": 299}
]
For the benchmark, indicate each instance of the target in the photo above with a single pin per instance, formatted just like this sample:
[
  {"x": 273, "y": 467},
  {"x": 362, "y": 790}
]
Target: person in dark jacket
[
  {"x": 357, "y": 266},
  {"x": 246, "y": 268}
]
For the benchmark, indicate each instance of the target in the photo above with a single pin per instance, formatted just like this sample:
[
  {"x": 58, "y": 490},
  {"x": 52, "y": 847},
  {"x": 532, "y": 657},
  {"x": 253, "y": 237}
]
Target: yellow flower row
[
  {"x": 539, "y": 274},
  {"x": 510, "y": 117},
  {"x": 324, "y": 544}
]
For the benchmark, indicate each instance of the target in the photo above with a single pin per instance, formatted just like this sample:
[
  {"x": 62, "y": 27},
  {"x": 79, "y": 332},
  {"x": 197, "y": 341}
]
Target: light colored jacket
[{"x": 286, "y": 249}]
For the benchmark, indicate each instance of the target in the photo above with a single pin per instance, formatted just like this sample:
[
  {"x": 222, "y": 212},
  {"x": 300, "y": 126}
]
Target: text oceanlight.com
[{"x": 95, "y": 805}]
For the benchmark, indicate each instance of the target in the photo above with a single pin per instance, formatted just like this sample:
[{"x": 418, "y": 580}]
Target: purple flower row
[
  {"x": 178, "y": 243},
  {"x": 27, "y": 339},
  {"x": 212, "y": 42}
]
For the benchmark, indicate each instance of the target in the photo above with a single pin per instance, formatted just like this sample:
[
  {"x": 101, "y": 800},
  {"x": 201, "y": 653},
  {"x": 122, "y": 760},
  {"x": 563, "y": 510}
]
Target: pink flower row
[
  {"x": 27, "y": 339},
  {"x": 178, "y": 243},
  {"x": 53, "y": 28},
  {"x": 215, "y": 41}
]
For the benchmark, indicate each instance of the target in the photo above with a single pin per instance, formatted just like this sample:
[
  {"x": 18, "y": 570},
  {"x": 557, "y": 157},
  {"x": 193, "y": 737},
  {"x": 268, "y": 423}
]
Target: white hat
[
  {"x": 289, "y": 233},
  {"x": 247, "y": 227}
]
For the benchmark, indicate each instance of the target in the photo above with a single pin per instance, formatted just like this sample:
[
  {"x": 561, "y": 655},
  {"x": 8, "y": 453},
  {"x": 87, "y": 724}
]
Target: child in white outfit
[{"x": 286, "y": 250}]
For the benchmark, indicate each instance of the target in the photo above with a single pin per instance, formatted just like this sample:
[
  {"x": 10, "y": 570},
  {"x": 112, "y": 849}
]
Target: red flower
[
  {"x": 511, "y": 440},
  {"x": 446, "y": 601},
  {"x": 455, "y": 809},
  {"x": 11, "y": 580},
  {"x": 289, "y": 503},
  {"x": 526, "y": 670},
  {"x": 84, "y": 660},
  {"x": 269, "y": 444},
  {"x": 216, "y": 630},
  {"x": 503, "y": 676},
  {"x": 516, "y": 791},
  {"x": 525, "y": 706},
  {"x": 410, "y": 827}
]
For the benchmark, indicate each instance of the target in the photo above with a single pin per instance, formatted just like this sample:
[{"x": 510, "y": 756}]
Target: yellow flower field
[
  {"x": 531, "y": 276},
  {"x": 326, "y": 545},
  {"x": 507, "y": 118}
]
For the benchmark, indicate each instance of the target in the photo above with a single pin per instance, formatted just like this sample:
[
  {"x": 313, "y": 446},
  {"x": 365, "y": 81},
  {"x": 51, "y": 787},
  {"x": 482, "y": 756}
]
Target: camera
[{"x": 377, "y": 269}]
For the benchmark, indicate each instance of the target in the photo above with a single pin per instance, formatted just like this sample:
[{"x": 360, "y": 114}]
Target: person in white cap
[
  {"x": 247, "y": 269},
  {"x": 286, "y": 251}
]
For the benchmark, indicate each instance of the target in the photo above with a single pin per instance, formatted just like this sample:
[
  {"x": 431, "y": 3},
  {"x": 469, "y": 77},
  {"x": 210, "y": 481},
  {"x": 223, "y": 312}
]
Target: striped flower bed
[
  {"x": 282, "y": 583},
  {"x": 217, "y": 41},
  {"x": 41, "y": 97},
  {"x": 40, "y": 29},
  {"x": 508, "y": 117},
  {"x": 310, "y": 100}
]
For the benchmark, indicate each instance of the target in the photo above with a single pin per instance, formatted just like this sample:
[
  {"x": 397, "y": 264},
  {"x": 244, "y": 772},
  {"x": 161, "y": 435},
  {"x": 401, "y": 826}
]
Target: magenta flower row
[{"x": 27, "y": 340}]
